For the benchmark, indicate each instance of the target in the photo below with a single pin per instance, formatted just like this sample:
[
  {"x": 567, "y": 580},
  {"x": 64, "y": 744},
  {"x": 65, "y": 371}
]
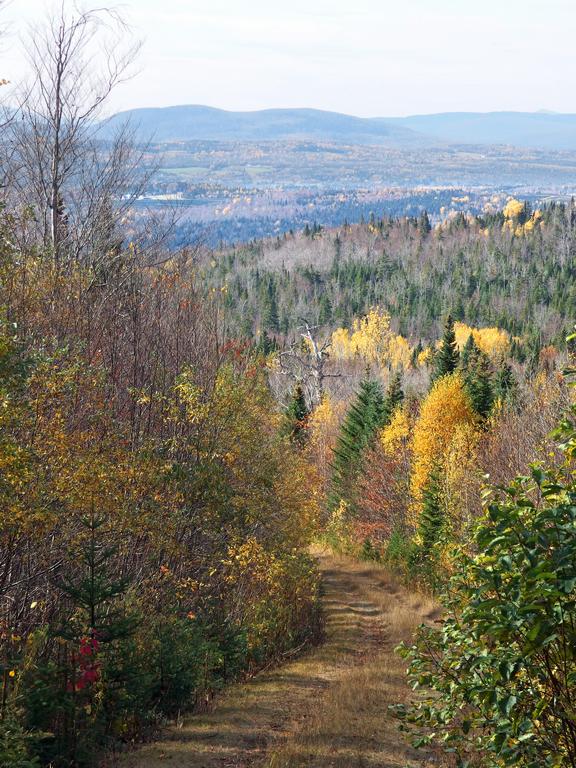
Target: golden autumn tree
[
  {"x": 444, "y": 413},
  {"x": 495, "y": 342},
  {"x": 372, "y": 340},
  {"x": 395, "y": 435}
]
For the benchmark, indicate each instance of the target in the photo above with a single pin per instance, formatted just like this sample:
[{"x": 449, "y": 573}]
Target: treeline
[
  {"x": 154, "y": 520},
  {"x": 273, "y": 218},
  {"x": 512, "y": 269}
]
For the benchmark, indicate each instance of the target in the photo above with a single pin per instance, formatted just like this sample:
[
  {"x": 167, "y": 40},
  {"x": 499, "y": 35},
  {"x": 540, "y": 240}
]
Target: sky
[{"x": 362, "y": 57}]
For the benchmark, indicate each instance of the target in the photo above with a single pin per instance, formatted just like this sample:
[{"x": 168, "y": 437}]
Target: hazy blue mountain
[
  {"x": 542, "y": 130},
  {"x": 545, "y": 130},
  {"x": 197, "y": 123}
]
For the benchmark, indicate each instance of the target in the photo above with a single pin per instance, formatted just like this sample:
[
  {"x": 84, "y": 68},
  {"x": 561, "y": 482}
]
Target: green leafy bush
[
  {"x": 498, "y": 677},
  {"x": 14, "y": 744}
]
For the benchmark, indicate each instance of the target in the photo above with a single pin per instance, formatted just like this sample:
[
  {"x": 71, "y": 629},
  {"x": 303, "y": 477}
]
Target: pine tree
[
  {"x": 505, "y": 384},
  {"x": 431, "y": 516},
  {"x": 446, "y": 360},
  {"x": 478, "y": 381},
  {"x": 296, "y": 416},
  {"x": 424, "y": 226},
  {"x": 365, "y": 417},
  {"x": 394, "y": 396}
]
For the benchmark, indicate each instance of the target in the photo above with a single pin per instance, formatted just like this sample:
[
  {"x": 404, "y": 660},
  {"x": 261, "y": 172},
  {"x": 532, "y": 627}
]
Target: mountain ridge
[
  {"x": 196, "y": 122},
  {"x": 189, "y": 122}
]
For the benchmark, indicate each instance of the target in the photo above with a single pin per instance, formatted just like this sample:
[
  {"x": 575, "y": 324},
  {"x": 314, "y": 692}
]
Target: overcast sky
[{"x": 363, "y": 57}]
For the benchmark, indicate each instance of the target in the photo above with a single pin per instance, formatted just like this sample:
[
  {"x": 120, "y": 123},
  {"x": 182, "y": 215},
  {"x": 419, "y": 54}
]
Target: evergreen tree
[
  {"x": 479, "y": 386},
  {"x": 478, "y": 379},
  {"x": 96, "y": 595},
  {"x": 424, "y": 226},
  {"x": 296, "y": 416},
  {"x": 431, "y": 517},
  {"x": 468, "y": 354},
  {"x": 365, "y": 416},
  {"x": 446, "y": 360},
  {"x": 266, "y": 344},
  {"x": 324, "y": 310},
  {"x": 394, "y": 396},
  {"x": 269, "y": 313},
  {"x": 418, "y": 349},
  {"x": 459, "y": 311},
  {"x": 505, "y": 384}
]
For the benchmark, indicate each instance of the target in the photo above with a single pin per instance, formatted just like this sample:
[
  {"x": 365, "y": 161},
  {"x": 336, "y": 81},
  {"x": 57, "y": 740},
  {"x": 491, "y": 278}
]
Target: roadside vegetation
[{"x": 180, "y": 430}]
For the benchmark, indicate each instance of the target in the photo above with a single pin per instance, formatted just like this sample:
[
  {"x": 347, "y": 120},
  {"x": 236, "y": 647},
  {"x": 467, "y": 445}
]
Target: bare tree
[
  {"x": 5, "y": 112},
  {"x": 310, "y": 367},
  {"x": 79, "y": 181}
]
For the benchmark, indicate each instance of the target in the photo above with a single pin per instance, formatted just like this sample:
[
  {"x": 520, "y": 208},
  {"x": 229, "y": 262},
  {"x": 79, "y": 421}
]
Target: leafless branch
[{"x": 80, "y": 183}]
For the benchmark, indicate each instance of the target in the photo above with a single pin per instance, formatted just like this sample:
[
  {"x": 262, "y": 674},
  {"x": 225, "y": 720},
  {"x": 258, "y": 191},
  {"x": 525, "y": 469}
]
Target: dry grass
[
  {"x": 351, "y": 726},
  {"x": 328, "y": 708}
]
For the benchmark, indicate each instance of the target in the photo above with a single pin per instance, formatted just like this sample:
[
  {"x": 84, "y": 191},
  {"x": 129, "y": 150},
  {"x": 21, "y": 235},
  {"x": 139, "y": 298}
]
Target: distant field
[
  {"x": 291, "y": 165},
  {"x": 190, "y": 171}
]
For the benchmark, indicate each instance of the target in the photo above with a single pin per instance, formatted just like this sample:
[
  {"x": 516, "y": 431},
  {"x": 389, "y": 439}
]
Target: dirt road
[{"x": 326, "y": 709}]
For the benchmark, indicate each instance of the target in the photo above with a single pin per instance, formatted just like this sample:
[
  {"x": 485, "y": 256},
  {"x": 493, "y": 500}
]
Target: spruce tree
[
  {"x": 418, "y": 349},
  {"x": 296, "y": 416},
  {"x": 266, "y": 344},
  {"x": 96, "y": 595},
  {"x": 365, "y": 416},
  {"x": 424, "y": 558},
  {"x": 447, "y": 357},
  {"x": 394, "y": 396},
  {"x": 468, "y": 354},
  {"x": 269, "y": 312},
  {"x": 431, "y": 517},
  {"x": 505, "y": 384},
  {"x": 324, "y": 310},
  {"x": 478, "y": 381},
  {"x": 424, "y": 226}
]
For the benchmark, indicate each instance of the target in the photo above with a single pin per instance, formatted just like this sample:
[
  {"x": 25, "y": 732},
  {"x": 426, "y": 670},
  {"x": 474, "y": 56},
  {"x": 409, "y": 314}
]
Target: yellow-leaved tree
[
  {"x": 445, "y": 416},
  {"x": 394, "y": 436},
  {"x": 495, "y": 342},
  {"x": 372, "y": 340},
  {"x": 513, "y": 209}
]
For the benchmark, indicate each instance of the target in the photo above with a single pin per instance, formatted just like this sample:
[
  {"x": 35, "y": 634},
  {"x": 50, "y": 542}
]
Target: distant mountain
[
  {"x": 197, "y": 123},
  {"x": 542, "y": 130}
]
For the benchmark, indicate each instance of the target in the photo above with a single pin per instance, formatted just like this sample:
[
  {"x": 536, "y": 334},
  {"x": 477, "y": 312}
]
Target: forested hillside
[
  {"x": 512, "y": 268},
  {"x": 181, "y": 431}
]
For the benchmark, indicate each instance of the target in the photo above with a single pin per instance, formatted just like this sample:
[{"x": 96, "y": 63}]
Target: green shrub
[
  {"x": 369, "y": 552},
  {"x": 399, "y": 553},
  {"x": 498, "y": 676},
  {"x": 15, "y": 748}
]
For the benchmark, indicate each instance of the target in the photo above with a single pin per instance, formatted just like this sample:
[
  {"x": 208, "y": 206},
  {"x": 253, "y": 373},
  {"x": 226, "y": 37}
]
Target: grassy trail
[{"x": 326, "y": 709}]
